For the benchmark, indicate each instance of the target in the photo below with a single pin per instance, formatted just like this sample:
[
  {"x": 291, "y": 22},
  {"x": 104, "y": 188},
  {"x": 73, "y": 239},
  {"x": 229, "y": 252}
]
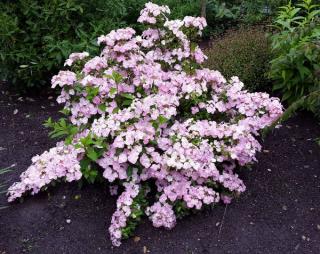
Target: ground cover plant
[{"x": 145, "y": 116}]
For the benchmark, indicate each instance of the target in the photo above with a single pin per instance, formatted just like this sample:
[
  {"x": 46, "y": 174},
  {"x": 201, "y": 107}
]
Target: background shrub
[
  {"x": 244, "y": 53},
  {"x": 296, "y": 49},
  {"x": 36, "y": 36},
  {"x": 257, "y": 10}
]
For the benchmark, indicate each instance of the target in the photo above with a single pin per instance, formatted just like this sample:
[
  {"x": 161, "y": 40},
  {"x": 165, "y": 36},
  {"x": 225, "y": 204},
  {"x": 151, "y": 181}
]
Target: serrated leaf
[
  {"x": 127, "y": 95},
  {"x": 92, "y": 154}
]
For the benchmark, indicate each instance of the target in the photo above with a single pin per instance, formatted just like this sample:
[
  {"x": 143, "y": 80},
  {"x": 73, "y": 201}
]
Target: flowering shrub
[{"x": 145, "y": 116}]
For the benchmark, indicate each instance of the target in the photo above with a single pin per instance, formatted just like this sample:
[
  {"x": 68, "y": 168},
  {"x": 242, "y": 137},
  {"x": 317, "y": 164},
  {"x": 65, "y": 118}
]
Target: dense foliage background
[
  {"x": 296, "y": 50},
  {"x": 36, "y": 36}
]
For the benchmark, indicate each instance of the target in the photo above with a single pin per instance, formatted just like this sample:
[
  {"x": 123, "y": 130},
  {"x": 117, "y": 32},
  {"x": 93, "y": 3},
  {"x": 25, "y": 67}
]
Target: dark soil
[{"x": 279, "y": 213}]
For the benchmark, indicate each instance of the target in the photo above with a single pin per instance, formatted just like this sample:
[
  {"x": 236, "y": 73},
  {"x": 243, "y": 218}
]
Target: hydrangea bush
[{"x": 166, "y": 133}]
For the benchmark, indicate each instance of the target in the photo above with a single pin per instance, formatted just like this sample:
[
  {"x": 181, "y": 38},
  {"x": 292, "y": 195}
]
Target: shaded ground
[{"x": 279, "y": 213}]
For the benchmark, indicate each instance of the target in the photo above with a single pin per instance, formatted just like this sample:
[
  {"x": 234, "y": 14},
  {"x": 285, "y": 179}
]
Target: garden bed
[{"x": 279, "y": 212}]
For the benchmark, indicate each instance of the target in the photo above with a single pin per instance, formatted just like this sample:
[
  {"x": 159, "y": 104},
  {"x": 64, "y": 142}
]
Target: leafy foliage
[
  {"x": 3, "y": 184},
  {"x": 239, "y": 11},
  {"x": 257, "y": 10},
  {"x": 297, "y": 54},
  {"x": 295, "y": 67},
  {"x": 244, "y": 53},
  {"x": 38, "y": 35}
]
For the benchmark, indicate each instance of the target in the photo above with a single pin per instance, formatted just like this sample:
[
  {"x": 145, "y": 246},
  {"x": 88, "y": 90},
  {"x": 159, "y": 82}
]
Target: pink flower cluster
[
  {"x": 197, "y": 22},
  {"x": 74, "y": 57},
  {"x": 65, "y": 78},
  {"x": 81, "y": 111},
  {"x": 162, "y": 215},
  {"x": 156, "y": 117},
  {"x": 119, "y": 218},
  {"x": 59, "y": 162},
  {"x": 151, "y": 11}
]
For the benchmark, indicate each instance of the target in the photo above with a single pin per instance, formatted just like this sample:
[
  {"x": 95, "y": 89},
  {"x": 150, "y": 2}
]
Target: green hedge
[{"x": 244, "y": 53}]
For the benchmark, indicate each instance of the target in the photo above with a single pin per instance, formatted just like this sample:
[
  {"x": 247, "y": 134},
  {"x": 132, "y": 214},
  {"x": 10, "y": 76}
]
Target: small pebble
[
  {"x": 68, "y": 221},
  {"x": 15, "y": 111},
  {"x": 284, "y": 208},
  {"x": 269, "y": 169},
  {"x": 30, "y": 99},
  {"x": 136, "y": 239},
  {"x": 318, "y": 227},
  {"x": 145, "y": 249}
]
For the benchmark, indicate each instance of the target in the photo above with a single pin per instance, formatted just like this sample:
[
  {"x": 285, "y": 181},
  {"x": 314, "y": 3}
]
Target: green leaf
[
  {"x": 162, "y": 119},
  {"x": 113, "y": 90},
  {"x": 155, "y": 125},
  {"x": 85, "y": 165},
  {"x": 102, "y": 107},
  {"x": 92, "y": 176},
  {"x": 117, "y": 77},
  {"x": 128, "y": 96},
  {"x": 286, "y": 95},
  {"x": 92, "y": 154},
  {"x": 126, "y": 102}
]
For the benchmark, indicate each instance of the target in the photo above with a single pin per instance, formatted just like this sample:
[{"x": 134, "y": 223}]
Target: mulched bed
[{"x": 279, "y": 212}]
